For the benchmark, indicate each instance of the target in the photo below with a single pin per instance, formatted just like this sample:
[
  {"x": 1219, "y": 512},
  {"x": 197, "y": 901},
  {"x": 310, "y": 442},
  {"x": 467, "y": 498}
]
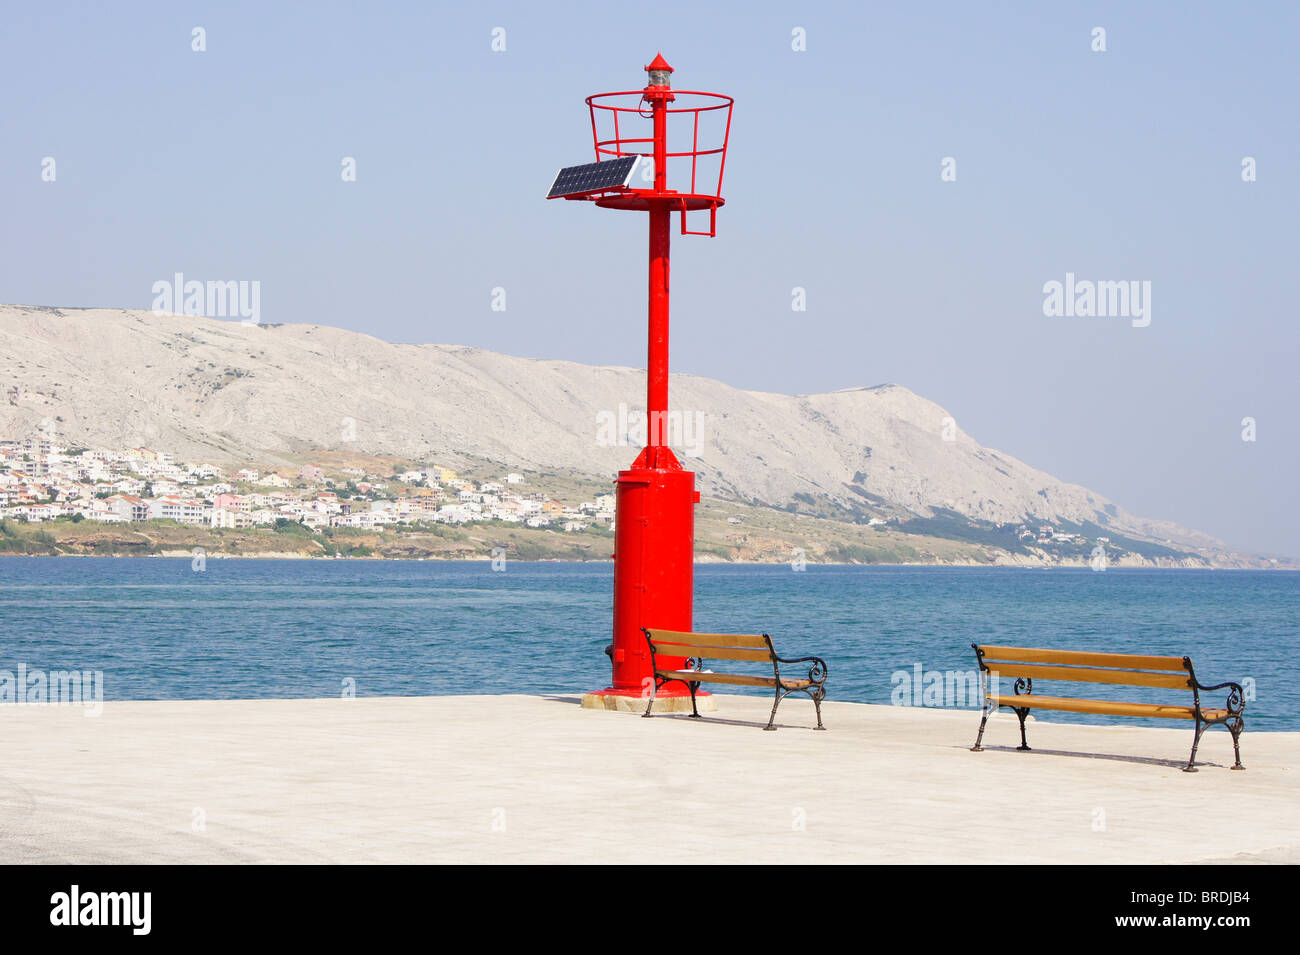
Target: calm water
[{"x": 265, "y": 628}]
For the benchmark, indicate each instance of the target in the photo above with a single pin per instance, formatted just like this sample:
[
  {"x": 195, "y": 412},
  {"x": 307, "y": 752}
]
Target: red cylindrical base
[{"x": 654, "y": 566}]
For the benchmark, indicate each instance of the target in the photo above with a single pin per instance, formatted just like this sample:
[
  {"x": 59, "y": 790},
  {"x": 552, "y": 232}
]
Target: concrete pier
[{"x": 540, "y": 779}]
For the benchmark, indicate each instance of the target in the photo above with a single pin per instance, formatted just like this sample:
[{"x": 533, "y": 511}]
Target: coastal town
[
  {"x": 58, "y": 497},
  {"x": 42, "y": 480}
]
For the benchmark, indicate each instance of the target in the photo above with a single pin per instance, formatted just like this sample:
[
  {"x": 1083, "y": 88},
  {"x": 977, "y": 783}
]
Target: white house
[
  {"x": 178, "y": 509},
  {"x": 456, "y": 514},
  {"x": 128, "y": 507},
  {"x": 230, "y": 517},
  {"x": 100, "y": 511}
]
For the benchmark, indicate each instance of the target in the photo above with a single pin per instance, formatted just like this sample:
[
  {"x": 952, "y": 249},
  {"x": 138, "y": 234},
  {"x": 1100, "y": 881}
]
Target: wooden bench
[
  {"x": 676, "y": 656},
  {"x": 1175, "y": 673}
]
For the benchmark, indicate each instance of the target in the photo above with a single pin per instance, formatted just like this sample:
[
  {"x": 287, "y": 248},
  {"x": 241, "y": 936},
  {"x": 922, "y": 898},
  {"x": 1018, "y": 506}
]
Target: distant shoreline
[{"x": 186, "y": 556}]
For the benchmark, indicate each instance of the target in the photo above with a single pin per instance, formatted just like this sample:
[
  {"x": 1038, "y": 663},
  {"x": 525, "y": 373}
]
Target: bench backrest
[
  {"x": 1173, "y": 673},
  {"x": 753, "y": 648}
]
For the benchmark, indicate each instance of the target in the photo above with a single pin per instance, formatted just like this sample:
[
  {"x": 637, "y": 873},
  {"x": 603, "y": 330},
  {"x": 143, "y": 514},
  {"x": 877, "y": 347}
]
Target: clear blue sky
[{"x": 1117, "y": 165}]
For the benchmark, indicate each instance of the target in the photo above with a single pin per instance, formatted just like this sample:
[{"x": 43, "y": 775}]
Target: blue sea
[{"x": 244, "y": 629}]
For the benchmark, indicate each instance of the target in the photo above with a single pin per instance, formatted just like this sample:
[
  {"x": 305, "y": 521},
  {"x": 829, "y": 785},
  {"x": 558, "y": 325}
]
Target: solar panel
[{"x": 593, "y": 177}]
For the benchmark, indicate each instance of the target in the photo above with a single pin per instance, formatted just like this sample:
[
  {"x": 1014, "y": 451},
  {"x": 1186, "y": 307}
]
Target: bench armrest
[
  {"x": 1236, "y": 696},
  {"x": 816, "y": 673}
]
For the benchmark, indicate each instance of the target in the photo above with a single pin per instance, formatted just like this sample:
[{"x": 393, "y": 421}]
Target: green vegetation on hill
[
  {"x": 868, "y": 554},
  {"x": 950, "y": 525}
]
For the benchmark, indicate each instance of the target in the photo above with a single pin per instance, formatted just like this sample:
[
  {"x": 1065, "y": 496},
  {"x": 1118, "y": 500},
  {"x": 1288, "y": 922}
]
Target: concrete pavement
[{"x": 539, "y": 779}]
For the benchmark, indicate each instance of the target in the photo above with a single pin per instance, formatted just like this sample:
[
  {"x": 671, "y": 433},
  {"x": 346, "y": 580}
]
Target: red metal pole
[
  {"x": 657, "y": 352},
  {"x": 660, "y": 244}
]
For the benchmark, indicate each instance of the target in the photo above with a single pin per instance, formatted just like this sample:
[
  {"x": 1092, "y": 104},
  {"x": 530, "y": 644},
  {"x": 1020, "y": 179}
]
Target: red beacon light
[{"x": 654, "y": 529}]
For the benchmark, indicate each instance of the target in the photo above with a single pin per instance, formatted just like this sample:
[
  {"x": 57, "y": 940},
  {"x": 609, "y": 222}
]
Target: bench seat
[
  {"x": 1106, "y": 707},
  {"x": 740, "y": 679}
]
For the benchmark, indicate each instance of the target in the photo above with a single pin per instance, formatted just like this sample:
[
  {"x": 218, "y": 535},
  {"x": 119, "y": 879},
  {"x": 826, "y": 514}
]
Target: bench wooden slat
[
  {"x": 712, "y": 653},
  {"x": 708, "y": 639},
  {"x": 740, "y": 679},
  {"x": 1169, "y": 681},
  {"x": 1105, "y": 707},
  {"x": 1077, "y": 658}
]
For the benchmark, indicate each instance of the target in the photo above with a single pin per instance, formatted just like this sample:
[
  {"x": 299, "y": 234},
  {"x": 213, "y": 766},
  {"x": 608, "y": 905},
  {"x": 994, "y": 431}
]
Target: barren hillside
[{"x": 223, "y": 391}]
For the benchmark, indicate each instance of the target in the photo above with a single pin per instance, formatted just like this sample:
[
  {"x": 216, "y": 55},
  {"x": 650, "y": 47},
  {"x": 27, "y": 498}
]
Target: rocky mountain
[{"x": 227, "y": 392}]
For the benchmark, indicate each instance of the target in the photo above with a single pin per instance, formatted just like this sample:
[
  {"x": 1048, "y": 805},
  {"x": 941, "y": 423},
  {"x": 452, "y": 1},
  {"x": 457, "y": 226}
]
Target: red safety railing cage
[{"x": 620, "y": 126}]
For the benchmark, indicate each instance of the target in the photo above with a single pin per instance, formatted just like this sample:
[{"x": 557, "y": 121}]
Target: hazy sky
[{"x": 1116, "y": 165}]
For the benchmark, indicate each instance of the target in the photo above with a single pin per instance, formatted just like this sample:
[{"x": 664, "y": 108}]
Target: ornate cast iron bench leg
[
  {"x": 1201, "y": 727},
  {"x": 1023, "y": 687},
  {"x": 817, "y": 698},
  {"x": 1233, "y": 726},
  {"x": 695, "y": 713},
  {"x": 771, "y": 719},
  {"x": 816, "y": 688},
  {"x": 1234, "y": 721},
  {"x": 979, "y": 737},
  {"x": 1023, "y": 713},
  {"x": 650, "y": 705},
  {"x": 984, "y": 695}
]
